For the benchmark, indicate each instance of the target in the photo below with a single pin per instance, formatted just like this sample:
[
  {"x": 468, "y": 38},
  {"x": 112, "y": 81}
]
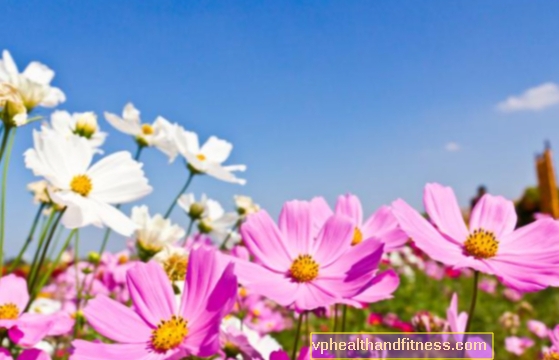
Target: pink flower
[
  {"x": 538, "y": 328},
  {"x": 487, "y": 285},
  {"x": 526, "y": 259},
  {"x": 30, "y": 354},
  {"x": 299, "y": 269},
  {"x": 381, "y": 225},
  {"x": 304, "y": 354},
  {"x": 24, "y": 329},
  {"x": 518, "y": 345},
  {"x": 159, "y": 328},
  {"x": 512, "y": 294},
  {"x": 456, "y": 322},
  {"x": 375, "y": 319},
  {"x": 434, "y": 270}
]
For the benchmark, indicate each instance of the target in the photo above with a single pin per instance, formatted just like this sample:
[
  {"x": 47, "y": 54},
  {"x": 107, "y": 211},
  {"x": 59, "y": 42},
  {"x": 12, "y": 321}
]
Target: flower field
[{"x": 238, "y": 283}]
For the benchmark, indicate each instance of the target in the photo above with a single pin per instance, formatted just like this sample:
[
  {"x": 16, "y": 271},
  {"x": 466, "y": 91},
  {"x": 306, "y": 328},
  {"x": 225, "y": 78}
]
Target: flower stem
[
  {"x": 7, "y": 134},
  {"x": 297, "y": 336},
  {"x": 237, "y": 225},
  {"x": 188, "y": 231},
  {"x": 335, "y": 327},
  {"x": 473, "y": 303},
  {"x": 344, "y": 317},
  {"x": 44, "y": 232},
  {"x": 33, "y": 281},
  {"x": 183, "y": 190},
  {"x": 17, "y": 260}
]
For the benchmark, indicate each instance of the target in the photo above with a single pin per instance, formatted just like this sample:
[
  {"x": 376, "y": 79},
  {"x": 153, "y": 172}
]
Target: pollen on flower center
[
  {"x": 357, "y": 236},
  {"x": 551, "y": 356},
  {"x": 201, "y": 157},
  {"x": 304, "y": 269},
  {"x": 9, "y": 311},
  {"x": 175, "y": 266},
  {"x": 481, "y": 244},
  {"x": 81, "y": 184},
  {"x": 147, "y": 129},
  {"x": 169, "y": 334}
]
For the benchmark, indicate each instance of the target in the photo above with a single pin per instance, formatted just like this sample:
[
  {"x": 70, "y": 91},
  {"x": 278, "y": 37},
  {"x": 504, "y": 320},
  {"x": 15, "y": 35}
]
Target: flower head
[
  {"x": 154, "y": 232},
  {"x": 77, "y": 124},
  {"x": 157, "y": 327},
  {"x": 88, "y": 191},
  {"x": 525, "y": 259}
]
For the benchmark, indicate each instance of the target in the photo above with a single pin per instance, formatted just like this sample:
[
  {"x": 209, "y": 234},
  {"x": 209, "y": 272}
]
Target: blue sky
[{"x": 318, "y": 97}]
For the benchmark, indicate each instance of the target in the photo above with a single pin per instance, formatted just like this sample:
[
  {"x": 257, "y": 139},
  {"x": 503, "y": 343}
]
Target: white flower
[
  {"x": 207, "y": 159},
  {"x": 174, "y": 260},
  {"x": 200, "y": 209},
  {"x": 245, "y": 205},
  {"x": 155, "y": 232},
  {"x": 78, "y": 124},
  {"x": 39, "y": 191},
  {"x": 158, "y": 134},
  {"x": 218, "y": 225},
  {"x": 33, "y": 84},
  {"x": 265, "y": 345},
  {"x": 45, "y": 306},
  {"x": 11, "y": 103},
  {"x": 87, "y": 191}
]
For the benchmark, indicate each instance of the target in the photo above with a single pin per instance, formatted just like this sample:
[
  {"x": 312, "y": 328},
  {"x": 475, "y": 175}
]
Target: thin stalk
[
  {"x": 5, "y": 136},
  {"x": 188, "y": 231},
  {"x": 297, "y": 335},
  {"x": 183, "y": 190},
  {"x": 42, "y": 237},
  {"x": 29, "y": 239},
  {"x": 56, "y": 262},
  {"x": 473, "y": 303},
  {"x": 335, "y": 327},
  {"x": 344, "y": 317},
  {"x": 222, "y": 246},
  {"x": 79, "y": 288},
  {"x": 4, "y": 185},
  {"x": 307, "y": 331},
  {"x": 33, "y": 281},
  {"x": 54, "y": 245}
]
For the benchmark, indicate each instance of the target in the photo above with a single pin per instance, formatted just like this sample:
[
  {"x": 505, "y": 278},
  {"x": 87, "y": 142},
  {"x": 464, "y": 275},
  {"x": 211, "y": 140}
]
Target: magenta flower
[
  {"x": 159, "y": 328},
  {"x": 297, "y": 268},
  {"x": 381, "y": 225},
  {"x": 30, "y": 354},
  {"x": 24, "y": 329},
  {"x": 518, "y": 345},
  {"x": 526, "y": 259}
]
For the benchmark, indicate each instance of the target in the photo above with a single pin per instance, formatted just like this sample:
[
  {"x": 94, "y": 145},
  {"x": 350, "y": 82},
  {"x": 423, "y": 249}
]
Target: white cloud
[
  {"x": 452, "y": 147},
  {"x": 534, "y": 99}
]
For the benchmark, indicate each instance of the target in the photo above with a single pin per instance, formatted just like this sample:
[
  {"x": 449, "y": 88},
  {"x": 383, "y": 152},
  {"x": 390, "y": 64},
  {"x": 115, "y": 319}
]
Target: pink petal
[
  {"x": 425, "y": 236},
  {"x": 311, "y": 296},
  {"x": 333, "y": 240},
  {"x": 383, "y": 225},
  {"x": 30, "y": 329},
  {"x": 13, "y": 289},
  {"x": 381, "y": 288},
  {"x": 494, "y": 213},
  {"x": 350, "y": 206},
  {"x": 85, "y": 350},
  {"x": 296, "y": 226},
  {"x": 151, "y": 292},
  {"x": 33, "y": 354},
  {"x": 276, "y": 287},
  {"x": 264, "y": 240},
  {"x": 320, "y": 212},
  {"x": 442, "y": 207},
  {"x": 116, "y": 321}
]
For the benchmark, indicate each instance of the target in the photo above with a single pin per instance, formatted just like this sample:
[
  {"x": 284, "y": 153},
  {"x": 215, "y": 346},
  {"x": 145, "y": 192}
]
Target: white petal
[
  {"x": 131, "y": 114},
  {"x": 186, "y": 142},
  {"x": 9, "y": 63},
  {"x": 39, "y": 73},
  {"x": 223, "y": 173},
  {"x": 125, "y": 126},
  {"x": 216, "y": 150},
  {"x": 53, "y": 97}
]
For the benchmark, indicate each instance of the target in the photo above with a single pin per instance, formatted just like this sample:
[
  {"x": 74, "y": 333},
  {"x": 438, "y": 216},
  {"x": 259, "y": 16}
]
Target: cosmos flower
[
  {"x": 33, "y": 84},
  {"x": 13, "y": 111},
  {"x": 159, "y": 134},
  {"x": 27, "y": 354},
  {"x": 156, "y": 328},
  {"x": 381, "y": 225},
  {"x": 245, "y": 205},
  {"x": 525, "y": 259},
  {"x": 154, "y": 232},
  {"x": 207, "y": 159},
  {"x": 295, "y": 268},
  {"x": 518, "y": 345},
  {"x": 88, "y": 191},
  {"x": 199, "y": 209},
  {"x": 77, "y": 124}
]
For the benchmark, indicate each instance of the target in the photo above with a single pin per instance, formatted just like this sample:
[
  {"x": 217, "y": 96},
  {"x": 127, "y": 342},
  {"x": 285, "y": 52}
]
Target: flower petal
[
  {"x": 494, "y": 213},
  {"x": 383, "y": 225},
  {"x": 333, "y": 240},
  {"x": 442, "y": 207},
  {"x": 350, "y": 206},
  {"x": 85, "y": 350},
  {"x": 295, "y": 225},
  {"x": 13, "y": 289},
  {"x": 216, "y": 150}
]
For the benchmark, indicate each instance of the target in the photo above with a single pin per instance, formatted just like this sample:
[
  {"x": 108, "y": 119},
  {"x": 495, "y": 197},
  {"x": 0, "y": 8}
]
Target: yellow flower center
[
  {"x": 175, "y": 267},
  {"x": 86, "y": 125},
  {"x": 201, "y": 157},
  {"x": 122, "y": 259},
  {"x": 243, "y": 292},
  {"x": 481, "y": 244},
  {"x": 169, "y": 334},
  {"x": 304, "y": 269},
  {"x": 357, "y": 236},
  {"x": 552, "y": 355},
  {"x": 81, "y": 184},
  {"x": 9, "y": 311},
  {"x": 147, "y": 129}
]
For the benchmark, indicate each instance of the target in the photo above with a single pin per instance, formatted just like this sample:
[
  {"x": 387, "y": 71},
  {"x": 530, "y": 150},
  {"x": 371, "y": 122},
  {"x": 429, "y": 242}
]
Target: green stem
[
  {"x": 29, "y": 240},
  {"x": 183, "y": 190},
  {"x": 7, "y": 135},
  {"x": 335, "y": 327},
  {"x": 307, "y": 332},
  {"x": 33, "y": 281},
  {"x": 56, "y": 262},
  {"x": 222, "y": 246},
  {"x": 78, "y": 287},
  {"x": 44, "y": 232},
  {"x": 473, "y": 303},
  {"x": 344, "y": 317},
  {"x": 297, "y": 335},
  {"x": 188, "y": 231}
]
